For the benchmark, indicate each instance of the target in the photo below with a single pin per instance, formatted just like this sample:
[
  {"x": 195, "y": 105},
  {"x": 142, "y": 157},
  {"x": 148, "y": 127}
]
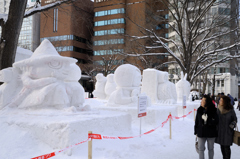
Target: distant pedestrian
[
  {"x": 238, "y": 107},
  {"x": 227, "y": 122},
  {"x": 206, "y": 126},
  {"x": 232, "y": 99}
]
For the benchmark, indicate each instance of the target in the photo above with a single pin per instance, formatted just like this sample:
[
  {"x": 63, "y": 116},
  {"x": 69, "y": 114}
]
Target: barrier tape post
[
  {"x": 90, "y": 146},
  {"x": 170, "y": 125}
]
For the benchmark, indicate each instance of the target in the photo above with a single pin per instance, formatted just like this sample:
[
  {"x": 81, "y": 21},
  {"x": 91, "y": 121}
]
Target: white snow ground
[{"x": 16, "y": 142}]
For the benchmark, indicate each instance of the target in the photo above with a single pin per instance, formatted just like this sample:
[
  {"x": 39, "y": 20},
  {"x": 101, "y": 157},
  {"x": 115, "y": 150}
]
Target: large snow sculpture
[
  {"x": 110, "y": 86},
  {"x": 166, "y": 90},
  {"x": 128, "y": 80},
  {"x": 156, "y": 85},
  {"x": 99, "y": 91},
  {"x": 183, "y": 88},
  {"x": 49, "y": 80}
]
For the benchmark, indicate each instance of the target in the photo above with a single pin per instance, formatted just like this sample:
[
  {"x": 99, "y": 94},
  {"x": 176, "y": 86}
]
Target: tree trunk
[{"x": 10, "y": 33}]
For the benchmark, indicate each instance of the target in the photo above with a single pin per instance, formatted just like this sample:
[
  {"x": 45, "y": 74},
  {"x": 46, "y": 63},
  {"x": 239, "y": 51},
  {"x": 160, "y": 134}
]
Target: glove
[
  {"x": 232, "y": 125},
  {"x": 204, "y": 117}
]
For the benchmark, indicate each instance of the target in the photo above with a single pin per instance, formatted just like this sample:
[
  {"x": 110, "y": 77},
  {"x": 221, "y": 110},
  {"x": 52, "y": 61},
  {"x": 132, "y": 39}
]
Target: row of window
[
  {"x": 109, "y": 12},
  {"x": 72, "y": 48},
  {"x": 65, "y": 37},
  {"x": 108, "y": 42},
  {"x": 110, "y": 22},
  {"x": 109, "y": 32},
  {"x": 115, "y": 62},
  {"x": 107, "y": 52}
]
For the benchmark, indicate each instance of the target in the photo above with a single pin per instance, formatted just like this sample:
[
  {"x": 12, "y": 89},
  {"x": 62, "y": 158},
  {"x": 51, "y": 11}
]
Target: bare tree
[
  {"x": 11, "y": 27},
  {"x": 204, "y": 33}
]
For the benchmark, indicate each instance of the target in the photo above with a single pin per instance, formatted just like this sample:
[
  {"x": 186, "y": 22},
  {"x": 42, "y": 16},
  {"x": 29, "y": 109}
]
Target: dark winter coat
[
  {"x": 225, "y": 133},
  {"x": 209, "y": 129}
]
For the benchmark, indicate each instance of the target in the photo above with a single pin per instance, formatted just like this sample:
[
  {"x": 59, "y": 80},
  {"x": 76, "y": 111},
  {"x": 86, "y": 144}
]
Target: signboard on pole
[
  {"x": 184, "y": 102},
  {"x": 142, "y": 106}
]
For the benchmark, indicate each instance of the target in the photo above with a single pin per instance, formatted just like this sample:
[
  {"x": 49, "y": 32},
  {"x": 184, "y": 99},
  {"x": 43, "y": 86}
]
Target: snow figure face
[
  {"x": 127, "y": 75},
  {"x": 162, "y": 77},
  {"x": 110, "y": 78},
  {"x": 6, "y": 75},
  {"x": 100, "y": 77}
]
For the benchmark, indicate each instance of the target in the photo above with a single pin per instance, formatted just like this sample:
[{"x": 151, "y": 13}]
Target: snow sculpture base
[
  {"x": 156, "y": 113},
  {"x": 60, "y": 129}
]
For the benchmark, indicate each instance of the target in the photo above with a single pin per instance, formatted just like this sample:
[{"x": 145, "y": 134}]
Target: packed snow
[{"x": 18, "y": 142}]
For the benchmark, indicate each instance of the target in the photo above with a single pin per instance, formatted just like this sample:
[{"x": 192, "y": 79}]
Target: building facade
[
  {"x": 29, "y": 37},
  {"x": 69, "y": 28},
  {"x": 115, "y": 22}
]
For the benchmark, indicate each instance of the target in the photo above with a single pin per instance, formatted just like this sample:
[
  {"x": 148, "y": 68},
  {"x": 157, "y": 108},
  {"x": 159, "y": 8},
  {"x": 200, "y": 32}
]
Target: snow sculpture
[
  {"x": 110, "y": 85},
  {"x": 99, "y": 91},
  {"x": 156, "y": 85},
  {"x": 128, "y": 80},
  {"x": 49, "y": 80},
  {"x": 11, "y": 86},
  {"x": 183, "y": 88},
  {"x": 166, "y": 90}
]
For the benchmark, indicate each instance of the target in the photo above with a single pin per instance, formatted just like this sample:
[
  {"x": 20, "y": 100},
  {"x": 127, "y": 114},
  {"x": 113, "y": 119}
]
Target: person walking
[
  {"x": 238, "y": 107},
  {"x": 206, "y": 126},
  {"x": 227, "y": 122}
]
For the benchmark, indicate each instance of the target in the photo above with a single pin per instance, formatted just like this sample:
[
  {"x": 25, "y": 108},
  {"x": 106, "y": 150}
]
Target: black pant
[{"x": 226, "y": 152}]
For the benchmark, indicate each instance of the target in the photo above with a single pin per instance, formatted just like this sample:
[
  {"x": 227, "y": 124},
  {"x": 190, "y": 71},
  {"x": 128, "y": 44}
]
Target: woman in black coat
[
  {"x": 227, "y": 122},
  {"x": 206, "y": 126}
]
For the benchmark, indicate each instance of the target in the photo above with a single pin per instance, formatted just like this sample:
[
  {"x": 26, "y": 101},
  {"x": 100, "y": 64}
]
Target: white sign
[
  {"x": 184, "y": 102},
  {"x": 142, "y": 106}
]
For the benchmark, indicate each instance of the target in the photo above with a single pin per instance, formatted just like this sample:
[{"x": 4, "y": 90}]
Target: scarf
[{"x": 222, "y": 110}]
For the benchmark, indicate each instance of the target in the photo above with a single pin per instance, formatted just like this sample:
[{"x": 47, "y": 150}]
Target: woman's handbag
[
  {"x": 196, "y": 145},
  {"x": 236, "y": 137}
]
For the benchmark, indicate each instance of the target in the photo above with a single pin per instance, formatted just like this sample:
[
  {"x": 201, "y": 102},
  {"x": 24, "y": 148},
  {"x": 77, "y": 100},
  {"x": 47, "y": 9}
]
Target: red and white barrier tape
[
  {"x": 100, "y": 137},
  {"x": 46, "y": 156}
]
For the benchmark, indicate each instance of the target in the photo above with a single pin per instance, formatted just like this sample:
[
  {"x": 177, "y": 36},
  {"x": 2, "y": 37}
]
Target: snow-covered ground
[{"x": 17, "y": 142}]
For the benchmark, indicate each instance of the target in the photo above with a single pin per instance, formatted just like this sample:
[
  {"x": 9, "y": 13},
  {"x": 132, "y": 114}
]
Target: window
[
  {"x": 110, "y": 42},
  {"x": 110, "y": 12},
  {"x": 107, "y": 52},
  {"x": 109, "y": 22},
  {"x": 222, "y": 83},
  {"x": 218, "y": 83},
  {"x": 55, "y": 20}
]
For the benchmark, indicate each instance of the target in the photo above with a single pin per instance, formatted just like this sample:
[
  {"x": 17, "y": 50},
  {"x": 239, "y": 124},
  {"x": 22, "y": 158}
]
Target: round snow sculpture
[
  {"x": 99, "y": 91},
  {"x": 183, "y": 88},
  {"x": 128, "y": 80}
]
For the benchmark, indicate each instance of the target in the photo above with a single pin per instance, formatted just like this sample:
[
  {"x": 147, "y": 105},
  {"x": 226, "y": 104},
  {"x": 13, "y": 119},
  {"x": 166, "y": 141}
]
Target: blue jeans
[{"x": 210, "y": 145}]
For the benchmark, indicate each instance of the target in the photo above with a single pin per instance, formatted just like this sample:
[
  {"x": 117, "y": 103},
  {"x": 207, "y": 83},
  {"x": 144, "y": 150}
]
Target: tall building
[
  {"x": 69, "y": 28},
  {"x": 115, "y": 22}
]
